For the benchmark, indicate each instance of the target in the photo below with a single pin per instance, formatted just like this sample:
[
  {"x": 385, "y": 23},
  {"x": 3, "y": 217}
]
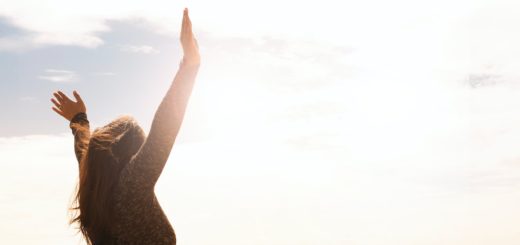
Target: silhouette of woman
[{"x": 119, "y": 166}]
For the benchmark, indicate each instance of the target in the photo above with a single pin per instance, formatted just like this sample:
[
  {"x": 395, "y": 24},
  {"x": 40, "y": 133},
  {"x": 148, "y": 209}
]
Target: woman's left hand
[{"x": 66, "y": 107}]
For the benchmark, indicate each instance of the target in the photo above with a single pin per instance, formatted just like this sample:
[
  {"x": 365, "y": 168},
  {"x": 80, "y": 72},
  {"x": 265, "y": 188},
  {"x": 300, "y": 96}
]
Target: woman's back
[
  {"x": 140, "y": 218},
  {"x": 119, "y": 166}
]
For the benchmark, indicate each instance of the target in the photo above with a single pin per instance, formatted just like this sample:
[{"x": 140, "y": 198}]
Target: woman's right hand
[
  {"x": 188, "y": 42},
  {"x": 66, "y": 107}
]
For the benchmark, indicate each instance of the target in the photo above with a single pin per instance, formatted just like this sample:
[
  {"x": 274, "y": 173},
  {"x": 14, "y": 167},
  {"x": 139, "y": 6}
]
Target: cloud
[
  {"x": 59, "y": 76},
  {"x": 281, "y": 64},
  {"x": 363, "y": 127},
  {"x": 60, "y": 22},
  {"x": 483, "y": 79},
  {"x": 66, "y": 39},
  {"x": 51, "y": 167},
  {"x": 18, "y": 44},
  {"x": 37, "y": 32},
  {"x": 141, "y": 49},
  {"x": 352, "y": 196},
  {"x": 30, "y": 42}
]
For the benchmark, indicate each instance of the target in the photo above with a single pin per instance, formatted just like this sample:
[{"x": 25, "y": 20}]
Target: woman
[{"x": 119, "y": 165}]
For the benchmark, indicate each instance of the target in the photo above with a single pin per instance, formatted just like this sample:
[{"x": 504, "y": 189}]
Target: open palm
[
  {"x": 189, "y": 44},
  {"x": 67, "y": 108}
]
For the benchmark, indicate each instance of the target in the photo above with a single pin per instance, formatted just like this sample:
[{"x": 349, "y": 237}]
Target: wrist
[{"x": 80, "y": 116}]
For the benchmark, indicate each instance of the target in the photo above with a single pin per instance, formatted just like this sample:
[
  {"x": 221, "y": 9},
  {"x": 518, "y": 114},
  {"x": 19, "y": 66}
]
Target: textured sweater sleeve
[
  {"x": 144, "y": 169},
  {"x": 81, "y": 131}
]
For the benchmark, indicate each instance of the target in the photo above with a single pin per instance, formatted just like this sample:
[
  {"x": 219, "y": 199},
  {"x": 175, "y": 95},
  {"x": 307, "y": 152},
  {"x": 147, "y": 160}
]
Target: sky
[{"x": 331, "y": 122}]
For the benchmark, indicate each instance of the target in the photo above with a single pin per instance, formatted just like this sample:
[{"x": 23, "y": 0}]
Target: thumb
[{"x": 78, "y": 98}]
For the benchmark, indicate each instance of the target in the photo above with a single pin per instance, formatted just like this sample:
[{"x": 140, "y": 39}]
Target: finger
[
  {"x": 64, "y": 96},
  {"x": 183, "y": 19},
  {"x": 58, "y": 111},
  {"x": 78, "y": 98},
  {"x": 188, "y": 18},
  {"x": 184, "y": 23},
  {"x": 55, "y": 103},
  {"x": 188, "y": 22},
  {"x": 58, "y": 96}
]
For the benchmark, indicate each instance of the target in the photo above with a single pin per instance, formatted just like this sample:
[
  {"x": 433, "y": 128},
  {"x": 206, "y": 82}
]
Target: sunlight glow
[{"x": 331, "y": 122}]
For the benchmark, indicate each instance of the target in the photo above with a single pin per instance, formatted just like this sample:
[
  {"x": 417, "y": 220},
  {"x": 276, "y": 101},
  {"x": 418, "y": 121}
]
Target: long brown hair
[{"x": 108, "y": 151}]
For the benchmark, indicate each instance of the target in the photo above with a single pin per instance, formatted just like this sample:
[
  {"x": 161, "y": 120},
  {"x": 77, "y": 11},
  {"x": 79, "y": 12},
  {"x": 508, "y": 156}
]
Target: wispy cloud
[
  {"x": 142, "y": 49},
  {"x": 280, "y": 63},
  {"x": 59, "y": 76},
  {"x": 477, "y": 80}
]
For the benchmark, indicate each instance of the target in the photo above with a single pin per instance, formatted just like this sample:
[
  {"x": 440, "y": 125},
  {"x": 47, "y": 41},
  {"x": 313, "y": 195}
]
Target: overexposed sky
[{"x": 330, "y": 122}]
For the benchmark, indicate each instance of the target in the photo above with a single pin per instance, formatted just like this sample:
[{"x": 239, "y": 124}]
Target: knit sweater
[{"x": 140, "y": 218}]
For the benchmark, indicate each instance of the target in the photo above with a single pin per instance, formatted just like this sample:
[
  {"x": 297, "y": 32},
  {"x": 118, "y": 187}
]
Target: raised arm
[
  {"x": 81, "y": 131},
  {"x": 75, "y": 113},
  {"x": 146, "y": 166}
]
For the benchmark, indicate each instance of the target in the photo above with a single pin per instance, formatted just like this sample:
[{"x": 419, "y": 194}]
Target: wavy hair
[{"x": 109, "y": 149}]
